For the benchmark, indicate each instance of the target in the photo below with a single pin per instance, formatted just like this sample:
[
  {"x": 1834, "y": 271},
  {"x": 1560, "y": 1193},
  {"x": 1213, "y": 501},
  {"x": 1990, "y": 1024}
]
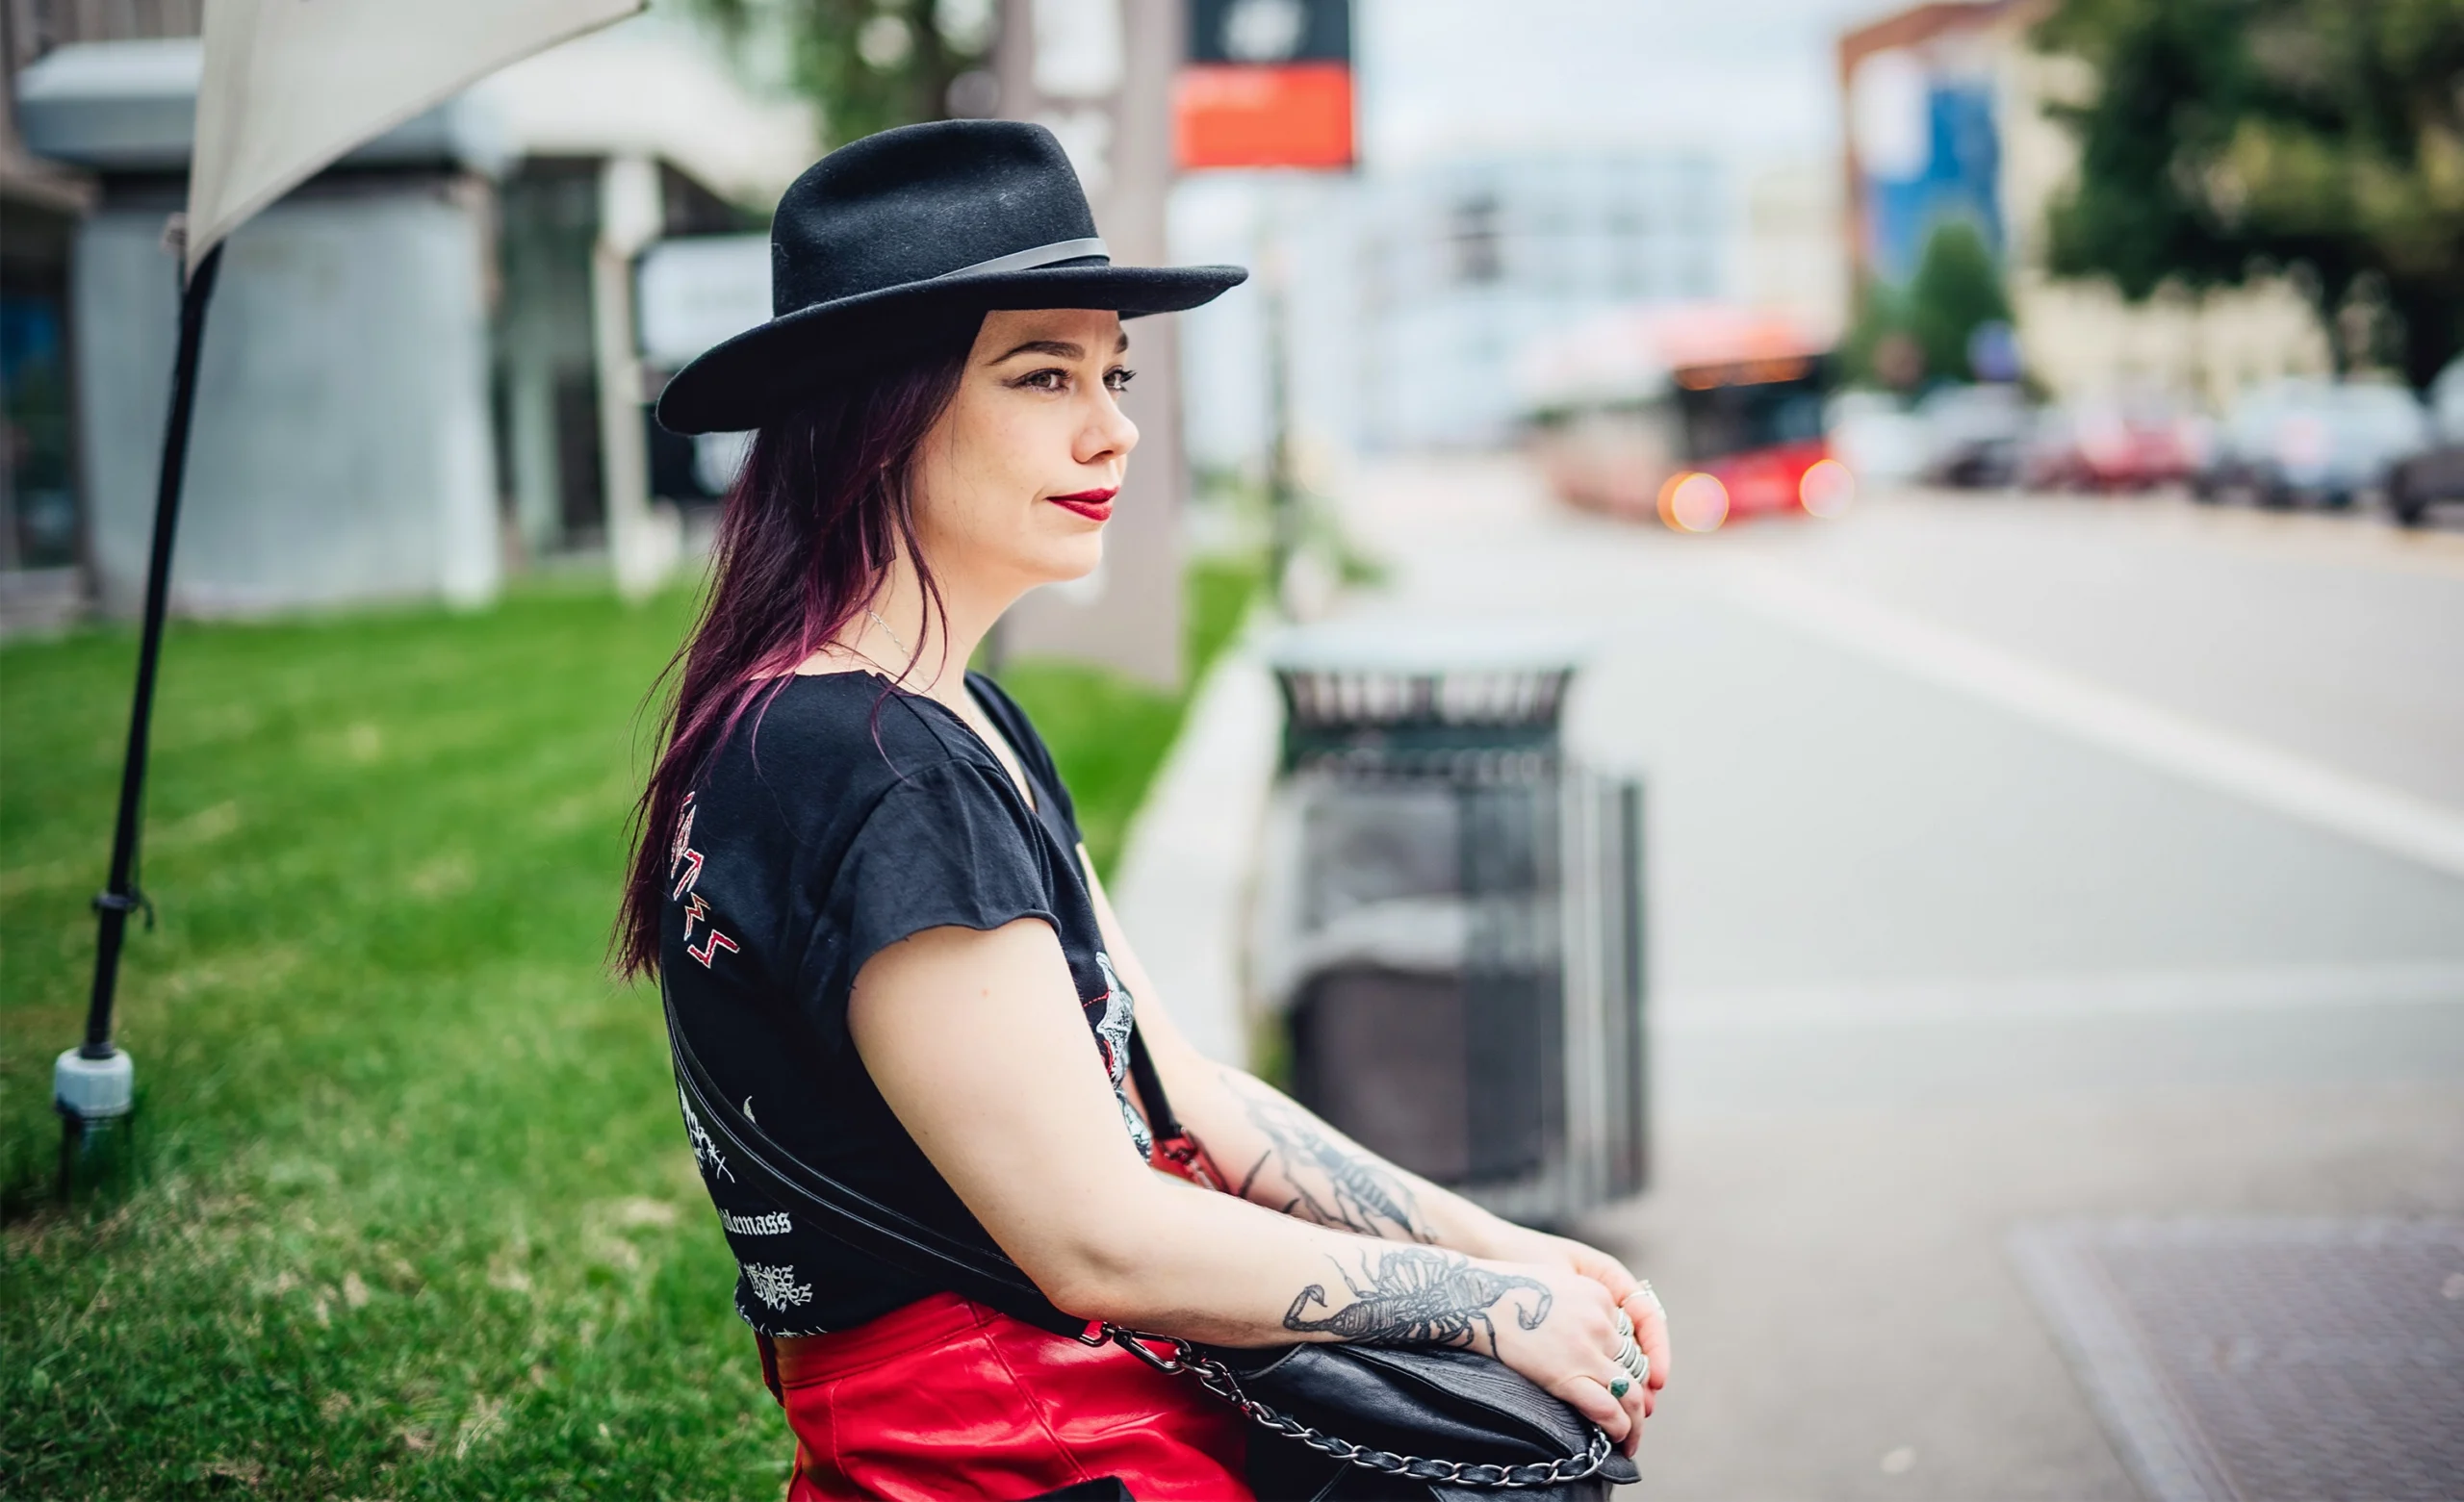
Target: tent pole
[{"x": 92, "y": 1082}]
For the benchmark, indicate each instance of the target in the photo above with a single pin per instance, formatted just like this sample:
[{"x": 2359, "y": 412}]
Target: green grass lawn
[{"x": 412, "y": 1214}]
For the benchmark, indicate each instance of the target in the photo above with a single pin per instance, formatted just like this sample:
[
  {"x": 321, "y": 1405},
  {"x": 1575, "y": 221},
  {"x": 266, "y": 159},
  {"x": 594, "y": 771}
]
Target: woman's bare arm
[
  {"x": 977, "y": 1042},
  {"x": 1277, "y": 1154}
]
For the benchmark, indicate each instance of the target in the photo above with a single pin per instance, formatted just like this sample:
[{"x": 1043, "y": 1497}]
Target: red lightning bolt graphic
[{"x": 692, "y": 874}]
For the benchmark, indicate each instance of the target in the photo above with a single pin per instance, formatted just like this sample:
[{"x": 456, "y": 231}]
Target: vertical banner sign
[{"x": 1268, "y": 84}]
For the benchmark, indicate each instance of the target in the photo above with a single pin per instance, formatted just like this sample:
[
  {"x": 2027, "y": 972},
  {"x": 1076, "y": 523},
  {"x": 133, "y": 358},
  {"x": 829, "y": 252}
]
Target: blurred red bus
[{"x": 1694, "y": 414}]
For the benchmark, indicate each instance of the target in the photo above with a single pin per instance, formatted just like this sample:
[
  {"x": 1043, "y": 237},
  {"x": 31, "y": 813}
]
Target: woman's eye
[
  {"x": 1118, "y": 379},
  {"x": 1045, "y": 380}
]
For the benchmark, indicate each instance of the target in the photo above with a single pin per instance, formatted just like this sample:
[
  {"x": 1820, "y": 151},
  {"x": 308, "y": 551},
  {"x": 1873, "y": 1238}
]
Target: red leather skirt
[{"x": 946, "y": 1398}]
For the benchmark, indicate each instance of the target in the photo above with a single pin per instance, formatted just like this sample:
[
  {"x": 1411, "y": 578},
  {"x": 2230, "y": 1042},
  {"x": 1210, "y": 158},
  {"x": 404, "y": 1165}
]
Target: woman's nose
[{"x": 1109, "y": 434}]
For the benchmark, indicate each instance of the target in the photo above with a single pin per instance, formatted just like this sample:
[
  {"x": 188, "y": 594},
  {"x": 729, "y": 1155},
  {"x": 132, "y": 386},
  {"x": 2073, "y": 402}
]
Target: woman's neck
[{"x": 899, "y": 624}]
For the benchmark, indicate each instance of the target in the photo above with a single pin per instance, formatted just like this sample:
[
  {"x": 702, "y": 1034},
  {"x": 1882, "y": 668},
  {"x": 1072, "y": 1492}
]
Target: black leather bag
[{"x": 1335, "y": 1423}]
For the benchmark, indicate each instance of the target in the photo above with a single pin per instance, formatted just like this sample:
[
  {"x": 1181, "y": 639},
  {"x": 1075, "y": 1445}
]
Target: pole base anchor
[{"x": 95, "y": 1098}]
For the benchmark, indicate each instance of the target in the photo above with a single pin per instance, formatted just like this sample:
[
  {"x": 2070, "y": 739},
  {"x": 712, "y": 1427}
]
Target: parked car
[
  {"x": 2135, "y": 443},
  {"x": 2435, "y": 474},
  {"x": 2312, "y": 441},
  {"x": 1874, "y": 435},
  {"x": 1975, "y": 436}
]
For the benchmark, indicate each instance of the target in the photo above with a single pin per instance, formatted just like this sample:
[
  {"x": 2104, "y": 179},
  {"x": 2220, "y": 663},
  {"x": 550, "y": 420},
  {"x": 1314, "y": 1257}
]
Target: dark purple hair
[{"x": 821, "y": 508}]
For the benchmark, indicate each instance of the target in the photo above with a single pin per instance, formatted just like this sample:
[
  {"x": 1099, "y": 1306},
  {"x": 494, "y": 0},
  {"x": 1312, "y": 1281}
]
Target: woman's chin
[{"x": 1067, "y": 559}]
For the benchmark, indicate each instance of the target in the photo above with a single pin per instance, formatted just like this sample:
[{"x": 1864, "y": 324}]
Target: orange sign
[{"x": 1243, "y": 114}]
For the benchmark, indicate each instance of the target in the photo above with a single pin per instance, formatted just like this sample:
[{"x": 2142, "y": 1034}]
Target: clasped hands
[{"x": 1593, "y": 1289}]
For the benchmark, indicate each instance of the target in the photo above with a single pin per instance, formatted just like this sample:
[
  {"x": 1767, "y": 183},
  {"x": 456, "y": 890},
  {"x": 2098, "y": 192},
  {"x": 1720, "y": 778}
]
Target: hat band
[{"x": 1040, "y": 255}]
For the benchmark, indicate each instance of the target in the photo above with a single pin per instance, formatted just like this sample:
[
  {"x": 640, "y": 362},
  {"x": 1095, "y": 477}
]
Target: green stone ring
[{"x": 1619, "y": 1387}]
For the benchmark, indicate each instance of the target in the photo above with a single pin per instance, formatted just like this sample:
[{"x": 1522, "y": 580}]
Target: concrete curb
[{"x": 1185, "y": 873}]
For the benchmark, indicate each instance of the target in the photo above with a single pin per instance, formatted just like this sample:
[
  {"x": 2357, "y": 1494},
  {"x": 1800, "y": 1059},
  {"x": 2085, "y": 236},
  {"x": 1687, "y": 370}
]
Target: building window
[{"x": 1478, "y": 245}]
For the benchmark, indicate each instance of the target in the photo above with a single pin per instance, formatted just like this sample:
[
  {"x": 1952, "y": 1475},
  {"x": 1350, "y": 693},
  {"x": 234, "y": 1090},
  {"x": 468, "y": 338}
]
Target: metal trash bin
[{"x": 1449, "y": 915}]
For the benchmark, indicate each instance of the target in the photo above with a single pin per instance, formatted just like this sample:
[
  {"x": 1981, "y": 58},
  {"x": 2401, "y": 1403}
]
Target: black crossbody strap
[
  {"x": 977, "y": 1272},
  {"x": 1160, "y": 1120}
]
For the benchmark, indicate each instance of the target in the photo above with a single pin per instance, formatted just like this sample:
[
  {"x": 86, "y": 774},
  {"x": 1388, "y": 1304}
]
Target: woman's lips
[{"x": 1095, "y": 506}]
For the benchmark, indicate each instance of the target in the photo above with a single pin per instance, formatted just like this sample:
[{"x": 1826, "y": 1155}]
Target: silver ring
[
  {"x": 1644, "y": 1286},
  {"x": 1630, "y": 1356},
  {"x": 1625, "y": 1325},
  {"x": 1619, "y": 1387}
]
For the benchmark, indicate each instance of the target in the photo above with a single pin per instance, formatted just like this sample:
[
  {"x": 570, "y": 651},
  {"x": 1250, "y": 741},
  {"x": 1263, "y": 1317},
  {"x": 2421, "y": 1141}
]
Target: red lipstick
[{"x": 1095, "y": 506}]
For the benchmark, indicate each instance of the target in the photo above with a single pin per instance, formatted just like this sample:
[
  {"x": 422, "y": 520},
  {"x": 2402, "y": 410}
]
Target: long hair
[{"x": 822, "y": 506}]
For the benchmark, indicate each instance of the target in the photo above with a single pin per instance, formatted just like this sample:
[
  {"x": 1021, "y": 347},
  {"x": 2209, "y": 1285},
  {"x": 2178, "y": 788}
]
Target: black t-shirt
[{"x": 838, "y": 818}]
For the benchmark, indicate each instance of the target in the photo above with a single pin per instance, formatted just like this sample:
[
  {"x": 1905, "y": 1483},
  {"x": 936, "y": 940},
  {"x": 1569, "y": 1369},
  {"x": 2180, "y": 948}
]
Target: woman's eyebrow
[{"x": 1059, "y": 349}]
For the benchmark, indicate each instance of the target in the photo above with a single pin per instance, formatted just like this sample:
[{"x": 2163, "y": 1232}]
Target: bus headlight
[
  {"x": 1826, "y": 488},
  {"x": 1694, "y": 502}
]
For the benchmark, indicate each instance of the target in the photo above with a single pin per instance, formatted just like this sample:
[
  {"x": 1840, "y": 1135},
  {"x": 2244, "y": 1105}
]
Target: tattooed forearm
[
  {"x": 1305, "y": 1173},
  {"x": 1418, "y": 1297}
]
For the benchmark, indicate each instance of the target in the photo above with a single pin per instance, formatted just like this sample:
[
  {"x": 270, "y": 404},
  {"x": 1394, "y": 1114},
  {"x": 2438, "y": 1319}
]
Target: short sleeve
[{"x": 946, "y": 846}]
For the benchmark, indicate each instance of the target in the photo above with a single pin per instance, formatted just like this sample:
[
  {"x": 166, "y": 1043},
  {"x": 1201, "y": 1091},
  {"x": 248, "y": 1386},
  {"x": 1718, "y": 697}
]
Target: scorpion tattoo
[
  {"x": 1358, "y": 1195},
  {"x": 1418, "y": 1297}
]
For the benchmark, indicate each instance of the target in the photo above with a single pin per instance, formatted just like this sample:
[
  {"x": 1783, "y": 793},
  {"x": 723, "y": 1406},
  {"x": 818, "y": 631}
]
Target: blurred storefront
[
  {"x": 41, "y": 202},
  {"x": 421, "y": 369},
  {"x": 1946, "y": 123}
]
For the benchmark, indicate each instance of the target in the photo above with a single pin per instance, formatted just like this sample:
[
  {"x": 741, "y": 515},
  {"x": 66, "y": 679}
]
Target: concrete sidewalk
[{"x": 1848, "y": 1323}]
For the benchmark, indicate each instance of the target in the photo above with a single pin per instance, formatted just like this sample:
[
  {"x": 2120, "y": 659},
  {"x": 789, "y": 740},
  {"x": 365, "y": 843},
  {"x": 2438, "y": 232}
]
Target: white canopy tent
[{"x": 286, "y": 89}]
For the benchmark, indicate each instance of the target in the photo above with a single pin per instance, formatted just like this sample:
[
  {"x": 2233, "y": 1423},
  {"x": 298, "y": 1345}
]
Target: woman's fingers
[
  {"x": 1597, "y": 1399},
  {"x": 1589, "y": 1396},
  {"x": 1638, "y": 1394},
  {"x": 1651, "y": 1331},
  {"x": 1637, "y": 1403}
]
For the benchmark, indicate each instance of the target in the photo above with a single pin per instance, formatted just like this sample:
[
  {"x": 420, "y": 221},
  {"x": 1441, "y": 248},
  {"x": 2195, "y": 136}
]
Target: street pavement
[{"x": 2012, "y": 858}]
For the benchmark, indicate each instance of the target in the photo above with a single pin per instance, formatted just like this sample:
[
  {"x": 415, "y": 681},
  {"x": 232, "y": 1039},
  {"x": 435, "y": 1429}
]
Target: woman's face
[{"x": 1015, "y": 481}]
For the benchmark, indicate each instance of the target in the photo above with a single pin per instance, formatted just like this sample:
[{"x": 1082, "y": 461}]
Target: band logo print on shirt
[
  {"x": 705, "y": 1148},
  {"x": 1112, "y": 1042},
  {"x": 776, "y": 1286},
  {"x": 774, "y": 1224},
  {"x": 682, "y": 856}
]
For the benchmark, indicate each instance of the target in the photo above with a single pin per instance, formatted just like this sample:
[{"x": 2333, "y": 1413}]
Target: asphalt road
[{"x": 2012, "y": 858}]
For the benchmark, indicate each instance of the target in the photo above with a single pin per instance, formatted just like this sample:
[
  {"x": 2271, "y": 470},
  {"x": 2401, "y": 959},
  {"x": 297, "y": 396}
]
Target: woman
[{"x": 860, "y": 881}]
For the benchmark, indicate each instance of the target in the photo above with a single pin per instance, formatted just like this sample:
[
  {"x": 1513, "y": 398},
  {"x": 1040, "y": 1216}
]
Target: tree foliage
[
  {"x": 1955, "y": 291},
  {"x": 866, "y": 65},
  {"x": 2224, "y": 138},
  {"x": 1924, "y": 330}
]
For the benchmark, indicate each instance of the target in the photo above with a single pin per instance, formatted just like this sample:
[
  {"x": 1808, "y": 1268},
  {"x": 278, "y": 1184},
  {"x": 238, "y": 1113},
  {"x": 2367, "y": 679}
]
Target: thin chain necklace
[
  {"x": 887, "y": 631},
  {"x": 984, "y": 734}
]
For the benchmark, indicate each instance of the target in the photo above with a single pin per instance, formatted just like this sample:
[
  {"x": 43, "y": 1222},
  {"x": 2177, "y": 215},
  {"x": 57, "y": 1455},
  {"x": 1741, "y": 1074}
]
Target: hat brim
[{"x": 765, "y": 372}]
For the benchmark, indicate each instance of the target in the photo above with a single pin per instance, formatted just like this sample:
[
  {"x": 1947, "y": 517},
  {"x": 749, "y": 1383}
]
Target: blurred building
[
  {"x": 421, "y": 366},
  {"x": 1945, "y": 107},
  {"x": 1789, "y": 255},
  {"x": 1462, "y": 263}
]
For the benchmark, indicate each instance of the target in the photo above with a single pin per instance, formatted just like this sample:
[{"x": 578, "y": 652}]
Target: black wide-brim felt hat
[{"x": 908, "y": 235}]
